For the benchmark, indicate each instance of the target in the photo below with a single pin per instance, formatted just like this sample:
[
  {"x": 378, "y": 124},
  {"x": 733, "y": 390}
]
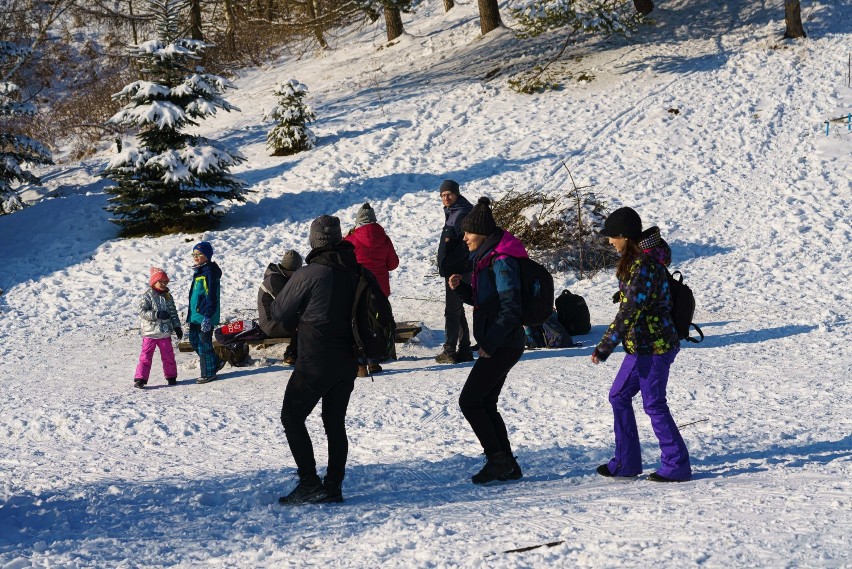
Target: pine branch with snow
[
  {"x": 599, "y": 16},
  {"x": 16, "y": 150},
  {"x": 290, "y": 135}
]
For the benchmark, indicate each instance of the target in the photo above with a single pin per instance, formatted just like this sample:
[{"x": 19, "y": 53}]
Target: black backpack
[
  {"x": 573, "y": 313},
  {"x": 683, "y": 308},
  {"x": 372, "y": 319}
]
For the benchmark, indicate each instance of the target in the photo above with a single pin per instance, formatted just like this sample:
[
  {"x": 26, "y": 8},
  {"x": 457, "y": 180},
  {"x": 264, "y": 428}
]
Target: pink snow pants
[{"x": 167, "y": 353}]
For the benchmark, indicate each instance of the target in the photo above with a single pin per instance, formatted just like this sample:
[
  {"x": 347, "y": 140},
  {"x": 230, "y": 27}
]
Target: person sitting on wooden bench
[{"x": 274, "y": 279}]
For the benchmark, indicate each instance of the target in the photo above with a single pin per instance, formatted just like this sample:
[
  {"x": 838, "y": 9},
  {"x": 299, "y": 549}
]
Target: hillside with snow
[{"x": 707, "y": 123}]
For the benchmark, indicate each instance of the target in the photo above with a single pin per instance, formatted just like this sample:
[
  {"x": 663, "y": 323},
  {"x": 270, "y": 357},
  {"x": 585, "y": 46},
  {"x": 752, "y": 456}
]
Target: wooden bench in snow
[{"x": 404, "y": 332}]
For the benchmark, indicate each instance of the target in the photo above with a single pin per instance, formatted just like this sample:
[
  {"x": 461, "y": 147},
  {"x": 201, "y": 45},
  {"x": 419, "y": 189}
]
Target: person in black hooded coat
[{"x": 318, "y": 299}]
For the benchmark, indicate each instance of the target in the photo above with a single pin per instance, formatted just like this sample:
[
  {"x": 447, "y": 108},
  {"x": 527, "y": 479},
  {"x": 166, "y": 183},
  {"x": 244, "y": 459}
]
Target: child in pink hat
[{"x": 158, "y": 320}]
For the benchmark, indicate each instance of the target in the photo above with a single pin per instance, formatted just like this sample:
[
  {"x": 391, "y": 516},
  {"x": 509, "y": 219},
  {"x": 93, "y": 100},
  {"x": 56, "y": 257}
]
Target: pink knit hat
[{"x": 158, "y": 274}]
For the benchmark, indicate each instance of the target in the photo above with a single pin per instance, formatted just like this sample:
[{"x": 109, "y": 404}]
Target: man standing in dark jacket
[
  {"x": 318, "y": 300},
  {"x": 454, "y": 258}
]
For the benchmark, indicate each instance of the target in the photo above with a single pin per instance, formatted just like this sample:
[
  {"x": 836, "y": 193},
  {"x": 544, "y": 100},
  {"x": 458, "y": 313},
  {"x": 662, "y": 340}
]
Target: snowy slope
[{"x": 745, "y": 184}]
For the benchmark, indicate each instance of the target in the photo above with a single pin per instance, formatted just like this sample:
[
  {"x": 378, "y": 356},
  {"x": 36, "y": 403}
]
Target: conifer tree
[
  {"x": 603, "y": 16},
  {"x": 16, "y": 150},
  {"x": 169, "y": 180},
  {"x": 290, "y": 135}
]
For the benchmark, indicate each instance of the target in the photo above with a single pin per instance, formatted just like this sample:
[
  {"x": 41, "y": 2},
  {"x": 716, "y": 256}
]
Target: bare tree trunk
[
  {"x": 489, "y": 16},
  {"x": 312, "y": 16},
  {"x": 133, "y": 23},
  {"x": 195, "y": 20},
  {"x": 793, "y": 17},
  {"x": 231, "y": 29},
  {"x": 644, "y": 7},
  {"x": 448, "y": 5},
  {"x": 393, "y": 22}
]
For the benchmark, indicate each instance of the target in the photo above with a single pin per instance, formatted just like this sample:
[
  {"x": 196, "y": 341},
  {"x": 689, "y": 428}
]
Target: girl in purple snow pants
[
  {"x": 645, "y": 327},
  {"x": 649, "y": 375}
]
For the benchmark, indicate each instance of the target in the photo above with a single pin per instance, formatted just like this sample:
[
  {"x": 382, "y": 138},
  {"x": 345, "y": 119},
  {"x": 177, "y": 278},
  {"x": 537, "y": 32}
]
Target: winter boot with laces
[
  {"x": 497, "y": 467},
  {"x": 303, "y": 492},
  {"x": 446, "y": 357}
]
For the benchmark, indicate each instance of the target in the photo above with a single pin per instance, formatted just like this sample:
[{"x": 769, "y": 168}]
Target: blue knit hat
[{"x": 205, "y": 248}]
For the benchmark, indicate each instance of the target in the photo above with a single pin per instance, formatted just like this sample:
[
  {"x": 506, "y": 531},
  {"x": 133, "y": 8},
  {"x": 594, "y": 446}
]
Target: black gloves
[
  {"x": 179, "y": 333},
  {"x": 163, "y": 315}
]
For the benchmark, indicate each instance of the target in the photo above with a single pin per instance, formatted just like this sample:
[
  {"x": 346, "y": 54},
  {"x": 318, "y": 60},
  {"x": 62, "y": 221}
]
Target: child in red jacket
[{"x": 374, "y": 251}]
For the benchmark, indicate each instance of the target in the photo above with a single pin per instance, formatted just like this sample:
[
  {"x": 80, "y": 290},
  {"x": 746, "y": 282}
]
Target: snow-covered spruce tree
[
  {"x": 290, "y": 135},
  {"x": 16, "y": 150},
  {"x": 169, "y": 180}
]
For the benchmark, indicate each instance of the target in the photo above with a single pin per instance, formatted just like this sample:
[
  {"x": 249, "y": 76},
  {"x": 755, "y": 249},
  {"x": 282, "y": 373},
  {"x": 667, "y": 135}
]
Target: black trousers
[
  {"x": 301, "y": 396},
  {"x": 455, "y": 323},
  {"x": 478, "y": 399}
]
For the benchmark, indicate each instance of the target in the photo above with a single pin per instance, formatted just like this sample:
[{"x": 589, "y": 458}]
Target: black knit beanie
[
  {"x": 449, "y": 186},
  {"x": 480, "y": 220},
  {"x": 291, "y": 261},
  {"x": 325, "y": 231},
  {"x": 623, "y": 222}
]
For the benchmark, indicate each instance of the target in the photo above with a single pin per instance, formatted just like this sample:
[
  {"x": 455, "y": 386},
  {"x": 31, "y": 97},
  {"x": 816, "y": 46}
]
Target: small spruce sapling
[{"x": 290, "y": 135}]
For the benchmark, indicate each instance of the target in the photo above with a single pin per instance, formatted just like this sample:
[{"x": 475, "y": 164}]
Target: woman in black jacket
[
  {"x": 318, "y": 301},
  {"x": 495, "y": 293}
]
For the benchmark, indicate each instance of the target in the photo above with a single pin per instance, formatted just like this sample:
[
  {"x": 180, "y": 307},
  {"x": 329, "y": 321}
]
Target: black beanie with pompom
[{"x": 480, "y": 220}]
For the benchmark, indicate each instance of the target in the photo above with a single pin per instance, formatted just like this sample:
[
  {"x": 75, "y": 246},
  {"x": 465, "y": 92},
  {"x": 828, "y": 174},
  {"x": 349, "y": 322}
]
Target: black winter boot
[
  {"x": 171, "y": 380},
  {"x": 497, "y": 467},
  {"x": 463, "y": 356},
  {"x": 331, "y": 492},
  {"x": 603, "y": 470},
  {"x": 654, "y": 477},
  {"x": 516, "y": 473},
  {"x": 304, "y": 490}
]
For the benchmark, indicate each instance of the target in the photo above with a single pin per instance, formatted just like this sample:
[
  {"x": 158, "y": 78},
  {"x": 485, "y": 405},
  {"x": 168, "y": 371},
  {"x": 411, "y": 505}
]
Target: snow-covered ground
[{"x": 745, "y": 184}]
